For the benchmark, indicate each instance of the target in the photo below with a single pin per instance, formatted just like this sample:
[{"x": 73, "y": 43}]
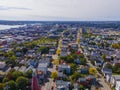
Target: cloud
[
  {"x": 60, "y": 9},
  {"x": 13, "y": 8}
]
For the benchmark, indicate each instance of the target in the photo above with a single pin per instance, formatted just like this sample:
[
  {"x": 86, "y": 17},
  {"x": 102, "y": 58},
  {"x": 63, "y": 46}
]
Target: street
[{"x": 103, "y": 84}]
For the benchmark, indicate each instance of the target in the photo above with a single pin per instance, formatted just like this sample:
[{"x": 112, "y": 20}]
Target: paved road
[
  {"x": 104, "y": 85},
  {"x": 50, "y": 83}
]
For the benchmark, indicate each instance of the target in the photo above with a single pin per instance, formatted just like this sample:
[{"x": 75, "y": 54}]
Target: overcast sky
[{"x": 80, "y": 10}]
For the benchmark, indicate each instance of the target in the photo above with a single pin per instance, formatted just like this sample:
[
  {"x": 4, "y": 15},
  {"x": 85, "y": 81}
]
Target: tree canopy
[
  {"x": 22, "y": 82},
  {"x": 11, "y": 85},
  {"x": 93, "y": 71},
  {"x": 54, "y": 75}
]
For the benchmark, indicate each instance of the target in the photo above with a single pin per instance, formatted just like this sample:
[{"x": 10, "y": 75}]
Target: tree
[
  {"x": 44, "y": 50},
  {"x": 116, "y": 46},
  {"x": 78, "y": 40},
  {"x": 83, "y": 61},
  {"x": 11, "y": 84},
  {"x": 13, "y": 57},
  {"x": 82, "y": 87},
  {"x": 73, "y": 67},
  {"x": 72, "y": 50},
  {"x": 56, "y": 62},
  {"x": 109, "y": 66},
  {"x": 16, "y": 74},
  {"x": 12, "y": 60},
  {"x": 68, "y": 59},
  {"x": 1, "y": 86},
  {"x": 28, "y": 74},
  {"x": 24, "y": 50},
  {"x": 74, "y": 56},
  {"x": 103, "y": 57},
  {"x": 54, "y": 75},
  {"x": 58, "y": 51},
  {"x": 18, "y": 49},
  {"x": 93, "y": 71},
  {"x": 8, "y": 54},
  {"x": 5, "y": 80},
  {"x": 81, "y": 56},
  {"x": 12, "y": 75},
  {"x": 22, "y": 82},
  {"x": 75, "y": 76},
  {"x": 9, "y": 76},
  {"x": 116, "y": 69}
]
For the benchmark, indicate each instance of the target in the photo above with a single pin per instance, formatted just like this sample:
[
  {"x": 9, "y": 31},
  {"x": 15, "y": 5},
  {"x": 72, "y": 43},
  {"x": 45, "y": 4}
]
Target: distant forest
[{"x": 97, "y": 24}]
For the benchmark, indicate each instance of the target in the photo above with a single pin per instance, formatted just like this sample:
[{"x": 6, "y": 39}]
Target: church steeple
[
  {"x": 34, "y": 73},
  {"x": 35, "y": 83}
]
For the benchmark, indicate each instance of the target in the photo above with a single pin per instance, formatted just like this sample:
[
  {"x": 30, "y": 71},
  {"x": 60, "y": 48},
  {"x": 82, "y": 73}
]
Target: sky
[{"x": 60, "y": 10}]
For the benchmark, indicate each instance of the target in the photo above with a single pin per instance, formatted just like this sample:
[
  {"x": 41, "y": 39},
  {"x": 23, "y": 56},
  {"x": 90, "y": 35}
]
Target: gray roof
[
  {"x": 107, "y": 71},
  {"x": 64, "y": 66},
  {"x": 117, "y": 77},
  {"x": 82, "y": 80}
]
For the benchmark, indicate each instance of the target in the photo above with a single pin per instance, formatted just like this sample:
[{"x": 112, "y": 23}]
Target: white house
[
  {"x": 117, "y": 85},
  {"x": 22, "y": 68},
  {"x": 62, "y": 85},
  {"x": 2, "y": 65},
  {"x": 114, "y": 79}
]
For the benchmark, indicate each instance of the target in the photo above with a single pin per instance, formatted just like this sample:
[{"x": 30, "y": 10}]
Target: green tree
[
  {"x": 10, "y": 53},
  {"x": 9, "y": 76},
  {"x": 81, "y": 56},
  {"x": 83, "y": 61},
  {"x": 5, "y": 80},
  {"x": 103, "y": 57},
  {"x": 18, "y": 49},
  {"x": 109, "y": 66},
  {"x": 82, "y": 87},
  {"x": 68, "y": 59},
  {"x": 11, "y": 84},
  {"x": 28, "y": 74},
  {"x": 116, "y": 69},
  {"x": 13, "y": 57},
  {"x": 73, "y": 67},
  {"x": 44, "y": 50},
  {"x": 24, "y": 50},
  {"x": 74, "y": 56},
  {"x": 75, "y": 76},
  {"x": 22, "y": 82},
  {"x": 1, "y": 86},
  {"x": 16, "y": 74}
]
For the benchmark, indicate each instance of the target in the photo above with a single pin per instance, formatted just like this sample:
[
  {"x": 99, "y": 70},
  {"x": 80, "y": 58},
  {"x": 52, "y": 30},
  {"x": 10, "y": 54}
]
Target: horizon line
[{"x": 64, "y": 20}]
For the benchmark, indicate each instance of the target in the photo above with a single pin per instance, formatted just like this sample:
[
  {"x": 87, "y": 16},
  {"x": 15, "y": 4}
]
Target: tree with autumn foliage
[
  {"x": 54, "y": 75},
  {"x": 93, "y": 71}
]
